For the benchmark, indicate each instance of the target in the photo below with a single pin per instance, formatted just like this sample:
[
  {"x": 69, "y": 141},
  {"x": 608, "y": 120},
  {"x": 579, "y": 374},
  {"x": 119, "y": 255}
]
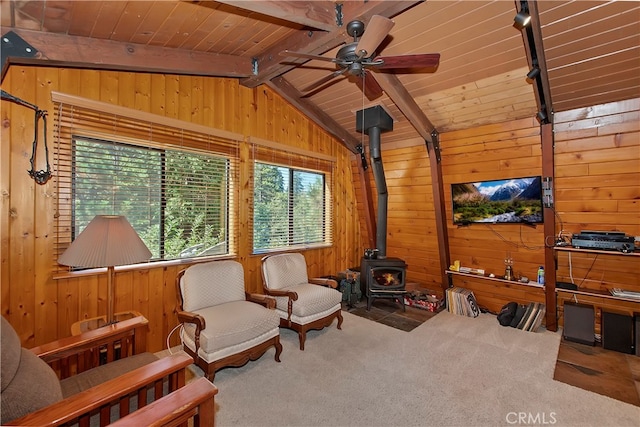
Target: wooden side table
[{"x": 98, "y": 322}]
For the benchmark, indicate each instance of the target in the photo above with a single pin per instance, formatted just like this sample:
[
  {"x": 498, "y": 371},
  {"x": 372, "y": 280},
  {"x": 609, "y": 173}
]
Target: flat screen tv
[{"x": 505, "y": 201}]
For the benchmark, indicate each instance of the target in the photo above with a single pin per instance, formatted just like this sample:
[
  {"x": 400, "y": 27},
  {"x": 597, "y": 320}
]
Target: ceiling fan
[{"x": 357, "y": 57}]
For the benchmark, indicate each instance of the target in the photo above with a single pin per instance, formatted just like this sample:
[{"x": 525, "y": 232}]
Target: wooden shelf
[
  {"x": 597, "y": 293},
  {"x": 600, "y": 293},
  {"x": 594, "y": 251},
  {"x": 496, "y": 279}
]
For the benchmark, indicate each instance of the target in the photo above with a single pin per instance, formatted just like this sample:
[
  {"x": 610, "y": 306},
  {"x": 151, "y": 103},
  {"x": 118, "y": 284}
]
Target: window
[
  {"x": 177, "y": 201},
  {"x": 292, "y": 193},
  {"x": 174, "y": 181},
  {"x": 289, "y": 207}
]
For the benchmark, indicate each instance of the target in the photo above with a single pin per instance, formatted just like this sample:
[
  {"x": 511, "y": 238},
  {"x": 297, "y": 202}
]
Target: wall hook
[{"x": 40, "y": 176}]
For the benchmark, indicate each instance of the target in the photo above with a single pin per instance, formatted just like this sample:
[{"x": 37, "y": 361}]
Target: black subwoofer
[
  {"x": 579, "y": 323},
  {"x": 637, "y": 327},
  {"x": 617, "y": 332}
]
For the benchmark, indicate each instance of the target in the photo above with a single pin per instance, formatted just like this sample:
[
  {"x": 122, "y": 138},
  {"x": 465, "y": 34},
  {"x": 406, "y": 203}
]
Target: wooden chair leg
[
  {"x": 302, "y": 335},
  {"x": 278, "y": 349}
]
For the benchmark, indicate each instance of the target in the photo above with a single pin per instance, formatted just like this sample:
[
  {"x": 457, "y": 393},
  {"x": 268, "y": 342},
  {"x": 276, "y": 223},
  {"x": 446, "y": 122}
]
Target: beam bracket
[
  {"x": 363, "y": 157},
  {"x": 435, "y": 141}
]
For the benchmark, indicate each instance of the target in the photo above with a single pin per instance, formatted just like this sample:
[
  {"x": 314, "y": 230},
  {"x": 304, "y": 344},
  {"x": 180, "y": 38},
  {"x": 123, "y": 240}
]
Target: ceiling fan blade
[
  {"x": 369, "y": 86},
  {"x": 426, "y": 60},
  {"x": 323, "y": 80},
  {"x": 376, "y": 31},
  {"x": 306, "y": 55}
]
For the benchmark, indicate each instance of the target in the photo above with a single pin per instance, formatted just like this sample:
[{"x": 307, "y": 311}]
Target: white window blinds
[
  {"x": 174, "y": 181},
  {"x": 292, "y": 198}
]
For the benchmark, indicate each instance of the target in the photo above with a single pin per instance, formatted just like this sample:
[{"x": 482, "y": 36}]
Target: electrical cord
[
  {"x": 571, "y": 270},
  {"x": 171, "y": 333},
  {"x": 589, "y": 270},
  {"x": 510, "y": 243}
]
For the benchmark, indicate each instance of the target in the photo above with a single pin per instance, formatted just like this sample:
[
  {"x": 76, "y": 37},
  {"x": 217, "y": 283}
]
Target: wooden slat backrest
[{"x": 71, "y": 355}]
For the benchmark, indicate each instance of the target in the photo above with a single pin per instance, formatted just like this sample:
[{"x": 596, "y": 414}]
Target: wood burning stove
[
  {"x": 383, "y": 278},
  {"x": 380, "y": 277}
]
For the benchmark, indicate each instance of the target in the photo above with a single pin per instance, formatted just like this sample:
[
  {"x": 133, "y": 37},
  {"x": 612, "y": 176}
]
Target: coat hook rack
[{"x": 40, "y": 176}]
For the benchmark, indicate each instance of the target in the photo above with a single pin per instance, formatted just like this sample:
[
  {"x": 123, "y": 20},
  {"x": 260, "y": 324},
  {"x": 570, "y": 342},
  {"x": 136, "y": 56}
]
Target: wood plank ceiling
[{"x": 591, "y": 52}]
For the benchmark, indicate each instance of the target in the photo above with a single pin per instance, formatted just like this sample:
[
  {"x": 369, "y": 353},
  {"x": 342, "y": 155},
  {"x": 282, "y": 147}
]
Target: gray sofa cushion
[
  {"x": 28, "y": 383},
  {"x": 93, "y": 377},
  {"x": 10, "y": 354}
]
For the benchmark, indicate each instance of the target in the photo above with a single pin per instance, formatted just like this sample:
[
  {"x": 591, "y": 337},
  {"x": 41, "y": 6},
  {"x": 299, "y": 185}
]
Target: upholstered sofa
[{"x": 84, "y": 376}]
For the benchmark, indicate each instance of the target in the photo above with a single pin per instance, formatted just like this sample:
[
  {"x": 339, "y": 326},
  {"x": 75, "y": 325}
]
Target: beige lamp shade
[{"x": 107, "y": 241}]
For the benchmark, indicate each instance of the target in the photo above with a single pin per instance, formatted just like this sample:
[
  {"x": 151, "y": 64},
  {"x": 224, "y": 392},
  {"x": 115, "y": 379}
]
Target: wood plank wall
[
  {"x": 501, "y": 151},
  {"x": 41, "y": 308},
  {"x": 597, "y": 187}
]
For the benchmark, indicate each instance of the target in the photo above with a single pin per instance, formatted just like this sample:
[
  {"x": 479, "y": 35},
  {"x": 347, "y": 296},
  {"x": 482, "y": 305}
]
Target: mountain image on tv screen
[{"x": 516, "y": 200}]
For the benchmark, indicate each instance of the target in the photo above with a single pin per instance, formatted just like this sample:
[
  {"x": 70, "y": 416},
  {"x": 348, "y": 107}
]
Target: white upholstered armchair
[
  {"x": 223, "y": 324},
  {"x": 302, "y": 303}
]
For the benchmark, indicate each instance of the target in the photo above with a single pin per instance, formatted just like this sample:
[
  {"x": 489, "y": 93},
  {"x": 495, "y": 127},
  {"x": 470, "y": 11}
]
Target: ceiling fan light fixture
[
  {"x": 522, "y": 19},
  {"x": 353, "y": 60}
]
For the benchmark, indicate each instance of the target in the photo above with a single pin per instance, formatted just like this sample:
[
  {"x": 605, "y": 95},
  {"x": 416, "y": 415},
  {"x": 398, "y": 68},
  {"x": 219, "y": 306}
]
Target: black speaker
[
  {"x": 637, "y": 326},
  {"x": 617, "y": 332},
  {"x": 579, "y": 323}
]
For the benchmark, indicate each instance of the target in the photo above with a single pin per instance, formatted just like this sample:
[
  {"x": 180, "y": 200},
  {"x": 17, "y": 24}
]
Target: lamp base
[{"x": 100, "y": 321}]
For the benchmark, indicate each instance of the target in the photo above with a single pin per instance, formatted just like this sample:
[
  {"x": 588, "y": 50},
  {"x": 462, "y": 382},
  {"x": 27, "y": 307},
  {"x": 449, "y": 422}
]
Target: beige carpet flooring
[{"x": 450, "y": 371}]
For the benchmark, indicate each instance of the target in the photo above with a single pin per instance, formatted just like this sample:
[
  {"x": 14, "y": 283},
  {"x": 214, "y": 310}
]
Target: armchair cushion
[
  {"x": 232, "y": 324},
  {"x": 312, "y": 300},
  {"x": 285, "y": 271},
  {"x": 198, "y": 297}
]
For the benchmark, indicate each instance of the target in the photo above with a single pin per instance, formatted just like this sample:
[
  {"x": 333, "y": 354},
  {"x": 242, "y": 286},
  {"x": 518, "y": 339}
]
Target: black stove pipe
[
  {"x": 373, "y": 121},
  {"x": 381, "y": 186}
]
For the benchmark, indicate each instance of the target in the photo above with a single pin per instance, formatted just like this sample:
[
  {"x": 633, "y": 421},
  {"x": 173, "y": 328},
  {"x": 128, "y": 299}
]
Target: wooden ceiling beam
[
  {"x": 73, "y": 51},
  {"x": 406, "y": 104},
  {"x": 292, "y": 95},
  {"x": 313, "y": 42},
  {"x": 314, "y": 14},
  {"x": 542, "y": 81}
]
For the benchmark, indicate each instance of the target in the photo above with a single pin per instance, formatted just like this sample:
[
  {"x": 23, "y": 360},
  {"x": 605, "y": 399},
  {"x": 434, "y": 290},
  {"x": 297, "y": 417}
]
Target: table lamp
[{"x": 107, "y": 241}]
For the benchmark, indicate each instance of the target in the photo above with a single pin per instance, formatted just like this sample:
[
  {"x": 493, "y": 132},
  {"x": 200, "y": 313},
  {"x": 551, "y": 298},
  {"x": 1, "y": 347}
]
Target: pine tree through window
[
  {"x": 289, "y": 208},
  {"x": 176, "y": 200}
]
